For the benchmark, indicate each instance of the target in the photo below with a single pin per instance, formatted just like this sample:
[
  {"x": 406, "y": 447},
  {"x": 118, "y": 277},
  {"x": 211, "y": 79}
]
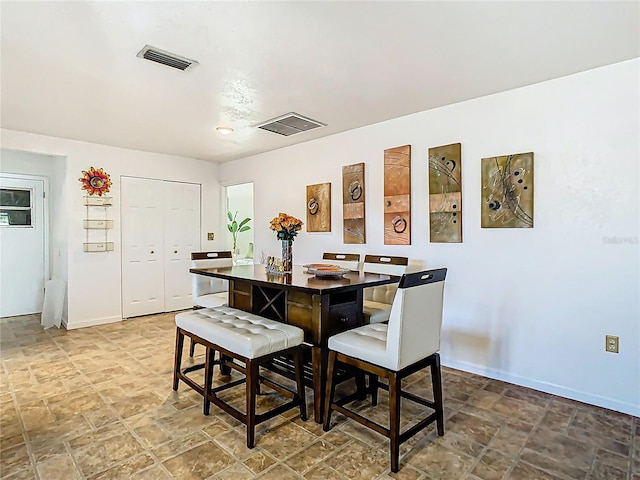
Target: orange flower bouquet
[{"x": 286, "y": 226}]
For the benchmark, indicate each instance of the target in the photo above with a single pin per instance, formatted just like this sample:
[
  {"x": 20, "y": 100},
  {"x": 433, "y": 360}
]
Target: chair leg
[
  {"x": 436, "y": 380},
  {"x": 208, "y": 377},
  {"x": 373, "y": 386},
  {"x": 252, "y": 381},
  {"x": 361, "y": 384},
  {"x": 192, "y": 348},
  {"x": 299, "y": 363},
  {"x": 394, "y": 420},
  {"x": 178, "y": 357},
  {"x": 330, "y": 390}
]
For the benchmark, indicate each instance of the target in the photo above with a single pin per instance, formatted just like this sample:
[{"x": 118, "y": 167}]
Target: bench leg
[
  {"x": 299, "y": 364},
  {"x": 178, "y": 357},
  {"x": 208, "y": 377},
  {"x": 252, "y": 382},
  {"x": 192, "y": 348}
]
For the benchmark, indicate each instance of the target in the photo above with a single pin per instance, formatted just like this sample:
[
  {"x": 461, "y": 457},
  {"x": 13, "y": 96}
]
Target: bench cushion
[{"x": 240, "y": 332}]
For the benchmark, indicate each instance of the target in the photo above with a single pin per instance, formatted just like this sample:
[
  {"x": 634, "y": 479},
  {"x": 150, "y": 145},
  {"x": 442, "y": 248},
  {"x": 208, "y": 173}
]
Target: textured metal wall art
[
  {"x": 445, "y": 193},
  {"x": 353, "y": 205},
  {"x": 319, "y": 207},
  {"x": 507, "y": 191},
  {"x": 397, "y": 196},
  {"x": 95, "y": 181}
]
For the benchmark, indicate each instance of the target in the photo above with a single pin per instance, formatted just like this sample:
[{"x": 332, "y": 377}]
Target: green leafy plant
[{"x": 235, "y": 228}]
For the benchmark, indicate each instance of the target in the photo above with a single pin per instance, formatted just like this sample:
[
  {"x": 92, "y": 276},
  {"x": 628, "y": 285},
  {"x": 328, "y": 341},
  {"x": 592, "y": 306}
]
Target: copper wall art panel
[
  {"x": 353, "y": 205},
  {"x": 445, "y": 193},
  {"x": 507, "y": 191},
  {"x": 319, "y": 207},
  {"x": 397, "y": 196}
]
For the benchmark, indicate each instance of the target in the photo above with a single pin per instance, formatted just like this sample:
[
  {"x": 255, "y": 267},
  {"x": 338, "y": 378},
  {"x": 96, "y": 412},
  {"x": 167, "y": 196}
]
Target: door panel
[
  {"x": 182, "y": 236},
  {"x": 142, "y": 247},
  {"x": 22, "y": 268}
]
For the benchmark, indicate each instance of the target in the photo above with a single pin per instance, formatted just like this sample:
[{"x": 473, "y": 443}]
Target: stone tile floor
[{"x": 97, "y": 403}]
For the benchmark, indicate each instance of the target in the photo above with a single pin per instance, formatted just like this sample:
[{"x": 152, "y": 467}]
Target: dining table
[{"x": 320, "y": 305}]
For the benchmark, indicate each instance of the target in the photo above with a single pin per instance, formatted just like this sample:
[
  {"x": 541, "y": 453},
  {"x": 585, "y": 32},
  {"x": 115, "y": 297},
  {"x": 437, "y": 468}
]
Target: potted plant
[{"x": 235, "y": 228}]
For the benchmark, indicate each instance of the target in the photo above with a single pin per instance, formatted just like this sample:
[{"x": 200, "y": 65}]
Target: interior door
[
  {"x": 142, "y": 246},
  {"x": 181, "y": 237},
  {"x": 22, "y": 244}
]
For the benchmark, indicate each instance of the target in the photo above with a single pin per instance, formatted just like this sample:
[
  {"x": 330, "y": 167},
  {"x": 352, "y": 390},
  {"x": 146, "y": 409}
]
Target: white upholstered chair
[
  {"x": 344, "y": 260},
  {"x": 378, "y": 300},
  {"x": 208, "y": 291},
  {"x": 407, "y": 344}
]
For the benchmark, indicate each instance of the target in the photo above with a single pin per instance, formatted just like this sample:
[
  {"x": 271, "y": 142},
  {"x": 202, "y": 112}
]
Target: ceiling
[{"x": 69, "y": 69}]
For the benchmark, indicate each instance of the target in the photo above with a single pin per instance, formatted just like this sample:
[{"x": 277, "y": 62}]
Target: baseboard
[
  {"x": 90, "y": 323},
  {"x": 591, "y": 399}
]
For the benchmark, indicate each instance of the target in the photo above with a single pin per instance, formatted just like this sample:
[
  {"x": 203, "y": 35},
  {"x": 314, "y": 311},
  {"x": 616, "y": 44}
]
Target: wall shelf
[
  {"x": 98, "y": 246},
  {"x": 97, "y": 224}
]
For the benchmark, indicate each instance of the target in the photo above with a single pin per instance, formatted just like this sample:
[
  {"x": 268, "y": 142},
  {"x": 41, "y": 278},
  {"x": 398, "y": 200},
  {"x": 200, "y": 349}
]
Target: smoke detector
[
  {"x": 290, "y": 124},
  {"x": 166, "y": 58}
]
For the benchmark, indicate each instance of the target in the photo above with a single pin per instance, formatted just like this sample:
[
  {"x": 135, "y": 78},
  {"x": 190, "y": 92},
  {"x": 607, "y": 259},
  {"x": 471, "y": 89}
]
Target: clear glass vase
[{"x": 287, "y": 255}]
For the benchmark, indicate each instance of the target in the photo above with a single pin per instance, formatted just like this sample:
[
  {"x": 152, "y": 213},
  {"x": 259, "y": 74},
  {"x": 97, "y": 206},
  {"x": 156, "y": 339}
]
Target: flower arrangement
[{"x": 286, "y": 226}]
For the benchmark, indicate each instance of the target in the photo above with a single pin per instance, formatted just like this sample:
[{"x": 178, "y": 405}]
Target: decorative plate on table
[{"x": 328, "y": 271}]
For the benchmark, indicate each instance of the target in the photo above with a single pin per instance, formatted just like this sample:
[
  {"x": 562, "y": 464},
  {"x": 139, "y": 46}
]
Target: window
[{"x": 15, "y": 207}]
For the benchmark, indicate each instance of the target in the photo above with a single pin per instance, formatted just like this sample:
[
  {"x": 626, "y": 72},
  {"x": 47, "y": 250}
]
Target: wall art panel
[
  {"x": 445, "y": 193},
  {"x": 319, "y": 207},
  {"x": 507, "y": 191},
  {"x": 353, "y": 204},
  {"x": 397, "y": 196}
]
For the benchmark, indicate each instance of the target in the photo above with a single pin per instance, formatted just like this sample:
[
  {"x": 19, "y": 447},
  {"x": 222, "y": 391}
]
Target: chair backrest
[
  {"x": 384, "y": 265},
  {"x": 416, "y": 317},
  {"x": 344, "y": 260},
  {"x": 201, "y": 285}
]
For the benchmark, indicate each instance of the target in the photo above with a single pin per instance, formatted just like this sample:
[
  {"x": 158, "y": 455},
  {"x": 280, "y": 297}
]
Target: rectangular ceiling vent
[
  {"x": 166, "y": 58},
  {"x": 290, "y": 124}
]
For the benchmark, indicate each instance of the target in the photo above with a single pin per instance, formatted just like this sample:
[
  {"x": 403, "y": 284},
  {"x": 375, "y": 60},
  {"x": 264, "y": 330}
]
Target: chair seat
[
  {"x": 240, "y": 332},
  {"x": 212, "y": 300},
  {"x": 368, "y": 343},
  {"x": 376, "y": 311}
]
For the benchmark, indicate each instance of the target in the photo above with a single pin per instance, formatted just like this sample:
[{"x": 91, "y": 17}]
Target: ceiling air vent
[
  {"x": 166, "y": 58},
  {"x": 290, "y": 124}
]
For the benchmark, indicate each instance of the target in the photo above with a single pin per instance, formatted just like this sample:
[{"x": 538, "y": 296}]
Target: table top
[{"x": 299, "y": 279}]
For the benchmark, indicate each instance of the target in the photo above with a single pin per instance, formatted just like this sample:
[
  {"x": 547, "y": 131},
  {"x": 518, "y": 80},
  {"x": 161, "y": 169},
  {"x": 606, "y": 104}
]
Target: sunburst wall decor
[{"x": 95, "y": 181}]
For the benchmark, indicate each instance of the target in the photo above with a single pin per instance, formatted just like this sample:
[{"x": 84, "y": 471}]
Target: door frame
[{"x": 45, "y": 210}]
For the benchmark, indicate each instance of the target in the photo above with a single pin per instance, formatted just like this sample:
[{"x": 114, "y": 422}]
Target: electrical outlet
[
  {"x": 210, "y": 236},
  {"x": 612, "y": 343}
]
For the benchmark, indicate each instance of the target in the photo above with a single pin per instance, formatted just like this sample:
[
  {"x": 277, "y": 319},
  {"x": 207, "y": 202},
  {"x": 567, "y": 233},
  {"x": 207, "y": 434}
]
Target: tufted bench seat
[{"x": 239, "y": 336}]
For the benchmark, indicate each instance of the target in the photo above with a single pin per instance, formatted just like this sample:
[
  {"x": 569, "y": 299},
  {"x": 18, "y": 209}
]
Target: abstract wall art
[
  {"x": 445, "y": 193},
  {"x": 397, "y": 196},
  {"x": 507, "y": 191},
  {"x": 353, "y": 204},
  {"x": 319, "y": 207}
]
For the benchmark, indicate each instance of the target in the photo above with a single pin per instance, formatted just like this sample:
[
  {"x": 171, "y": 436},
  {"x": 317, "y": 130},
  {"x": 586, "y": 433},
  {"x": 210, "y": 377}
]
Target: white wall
[
  {"x": 93, "y": 279},
  {"x": 530, "y": 306}
]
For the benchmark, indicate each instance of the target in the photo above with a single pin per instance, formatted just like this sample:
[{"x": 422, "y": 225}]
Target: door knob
[
  {"x": 175, "y": 251},
  {"x": 152, "y": 251}
]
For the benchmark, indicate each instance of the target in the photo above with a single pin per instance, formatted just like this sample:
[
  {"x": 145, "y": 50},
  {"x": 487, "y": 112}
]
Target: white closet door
[
  {"x": 142, "y": 247},
  {"x": 181, "y": 237}
]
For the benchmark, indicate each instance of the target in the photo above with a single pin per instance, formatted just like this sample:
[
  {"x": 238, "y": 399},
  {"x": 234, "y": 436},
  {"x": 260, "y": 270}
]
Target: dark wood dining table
[{"x": 320, "y": 306}]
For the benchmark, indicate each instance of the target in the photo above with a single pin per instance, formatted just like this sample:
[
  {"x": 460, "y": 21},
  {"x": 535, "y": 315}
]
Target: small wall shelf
[
  {"x": 97, "y": 224},
  {"x": 98, "y": 201},
  {"x": 98, "y": 247}
]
